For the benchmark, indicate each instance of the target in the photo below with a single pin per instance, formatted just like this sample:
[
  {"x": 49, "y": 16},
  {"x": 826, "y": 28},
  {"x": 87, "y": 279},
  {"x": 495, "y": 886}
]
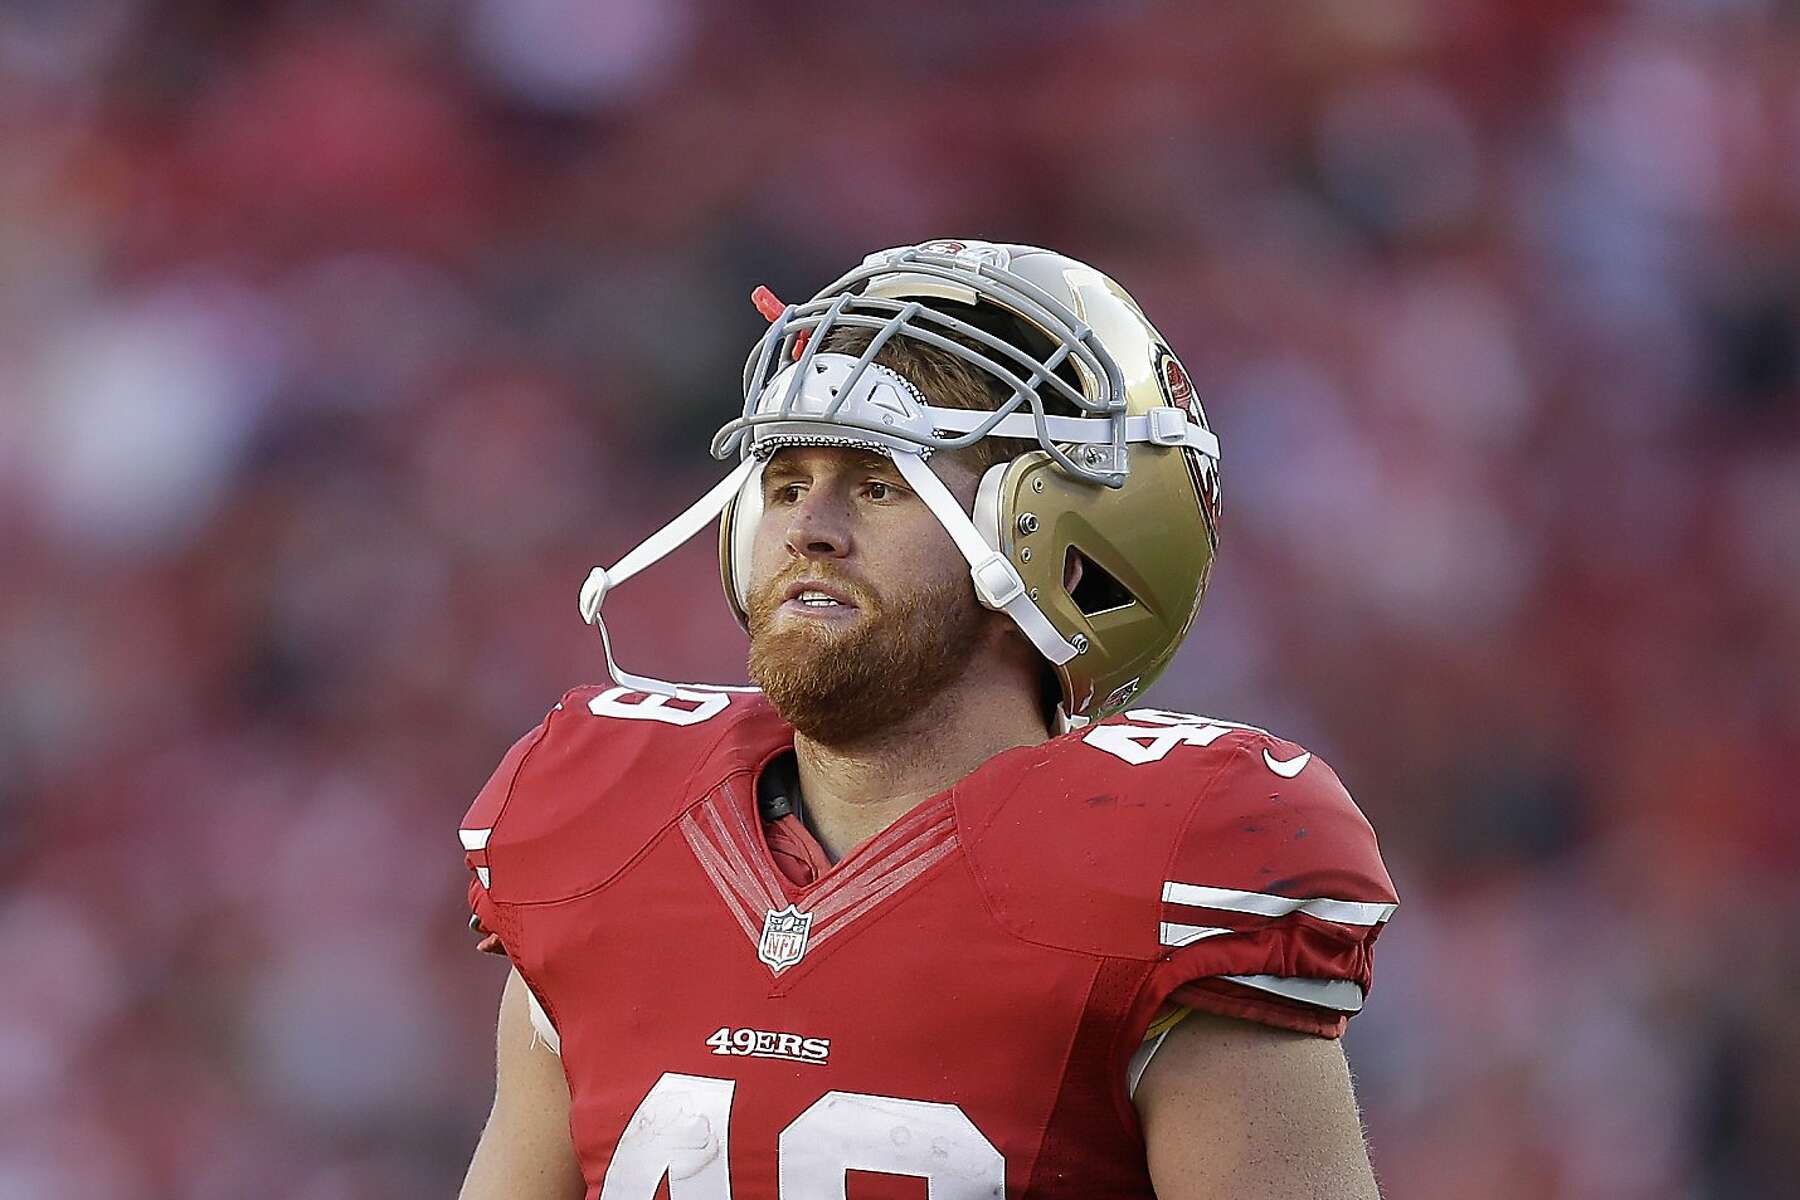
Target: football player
[{"x": 937, "y": 910}]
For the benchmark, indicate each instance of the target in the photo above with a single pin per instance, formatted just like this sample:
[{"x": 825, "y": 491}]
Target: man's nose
[{"x": 819, "y": 526}]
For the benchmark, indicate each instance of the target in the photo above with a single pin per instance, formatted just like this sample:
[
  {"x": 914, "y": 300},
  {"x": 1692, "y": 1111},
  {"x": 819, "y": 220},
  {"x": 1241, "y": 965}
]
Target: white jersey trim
[
  {"x": 1173, "y": 934},
  {"x": 1134, "y": 1073},
  {"x": 541, "y": 1027},
  {"x": 1344, "y": 912},
  {"x": 474, "y": 839},
  {"x": 1340, "y": 995}
]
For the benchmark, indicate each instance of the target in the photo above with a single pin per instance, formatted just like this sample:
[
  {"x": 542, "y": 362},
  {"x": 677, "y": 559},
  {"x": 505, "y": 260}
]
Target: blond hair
[{"x": 947, "y": 381}]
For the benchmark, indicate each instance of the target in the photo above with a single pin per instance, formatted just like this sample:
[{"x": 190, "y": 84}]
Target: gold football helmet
[{"x": 1124, "y": 479}]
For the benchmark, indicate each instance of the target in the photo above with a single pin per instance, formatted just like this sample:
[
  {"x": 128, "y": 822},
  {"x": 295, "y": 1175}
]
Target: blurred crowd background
[{"x": 338, "y": 340}]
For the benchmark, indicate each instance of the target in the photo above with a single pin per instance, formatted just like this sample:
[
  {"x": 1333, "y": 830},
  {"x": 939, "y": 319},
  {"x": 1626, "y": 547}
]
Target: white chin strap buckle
[{"x": 997, "y": 581}]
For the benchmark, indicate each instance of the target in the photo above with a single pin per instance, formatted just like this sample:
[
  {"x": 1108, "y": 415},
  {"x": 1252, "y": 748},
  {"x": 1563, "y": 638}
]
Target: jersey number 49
[{"x": 681, "y": 1131}]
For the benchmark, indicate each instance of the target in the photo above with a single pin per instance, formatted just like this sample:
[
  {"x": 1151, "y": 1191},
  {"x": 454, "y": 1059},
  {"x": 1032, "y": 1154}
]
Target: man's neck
[{"x": 853, "y": 792}]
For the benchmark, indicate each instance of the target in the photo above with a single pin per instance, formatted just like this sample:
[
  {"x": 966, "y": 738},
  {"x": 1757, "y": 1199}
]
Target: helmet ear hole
[{"x": 1095, "y": 589}]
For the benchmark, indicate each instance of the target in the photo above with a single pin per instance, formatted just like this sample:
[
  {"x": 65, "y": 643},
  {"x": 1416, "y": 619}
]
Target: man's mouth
[
  {"x": 813, "y": 598},
  {"x": 819, "y": 600},
  {"x": 813, "y": 594}
]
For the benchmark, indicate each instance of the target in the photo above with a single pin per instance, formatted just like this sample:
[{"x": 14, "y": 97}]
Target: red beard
[{"x": 842, "y": 686}]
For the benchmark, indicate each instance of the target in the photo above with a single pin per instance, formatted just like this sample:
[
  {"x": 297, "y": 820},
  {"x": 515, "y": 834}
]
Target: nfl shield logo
[{"x": 783, "y": 937}]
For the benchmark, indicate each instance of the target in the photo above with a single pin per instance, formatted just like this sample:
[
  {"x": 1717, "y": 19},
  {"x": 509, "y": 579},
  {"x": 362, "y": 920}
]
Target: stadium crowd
[{"x": 338, "y": 340}]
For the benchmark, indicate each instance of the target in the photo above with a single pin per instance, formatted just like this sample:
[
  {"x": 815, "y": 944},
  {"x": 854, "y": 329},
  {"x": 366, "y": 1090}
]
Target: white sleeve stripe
[
  {"x": 540, "y": 1024},
  {"x": 474, "y": 839},
  {"x": 481, "y": 873},
  {"x": 1339, "y": 994},
  {"x": 1134, "y": 1071},
  {"x": 1172, "y": 934},
  {"x": 1345, "y": 912}
]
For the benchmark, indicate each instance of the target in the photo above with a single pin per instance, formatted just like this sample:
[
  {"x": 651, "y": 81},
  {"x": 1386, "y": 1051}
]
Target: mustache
[{"x": 769, "y": 596}]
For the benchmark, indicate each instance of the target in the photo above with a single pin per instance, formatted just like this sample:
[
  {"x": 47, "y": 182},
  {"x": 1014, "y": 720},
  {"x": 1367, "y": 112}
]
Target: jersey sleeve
[
  {"x": 1273, "y": 896},
  {"x": 486, "y": 919}
]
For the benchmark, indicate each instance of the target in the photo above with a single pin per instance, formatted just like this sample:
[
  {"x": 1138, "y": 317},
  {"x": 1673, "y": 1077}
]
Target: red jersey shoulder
[
  {"x": 1083, "y": 845},
  {"x": 597, "y": 779},
  {"x": 1274, "y": 896},
  {"x": 1277, "y": 833}
]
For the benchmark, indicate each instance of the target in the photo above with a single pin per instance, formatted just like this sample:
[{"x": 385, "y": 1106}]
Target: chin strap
[
  {"x": 997, "y": 581},
  {"x": 602, "y": 580}
]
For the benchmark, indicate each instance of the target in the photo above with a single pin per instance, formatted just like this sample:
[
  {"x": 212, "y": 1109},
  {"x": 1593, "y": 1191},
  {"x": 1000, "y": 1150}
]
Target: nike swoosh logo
[{"x": 1286, "y": 768}]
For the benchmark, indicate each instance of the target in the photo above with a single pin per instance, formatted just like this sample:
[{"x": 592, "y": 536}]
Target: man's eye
[
  {"x": 787, "y": 493},
  {"x": 879, "y": 490}
]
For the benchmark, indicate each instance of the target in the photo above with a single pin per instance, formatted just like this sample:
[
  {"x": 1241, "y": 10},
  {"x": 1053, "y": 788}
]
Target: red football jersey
[{"x": 953, "y": 1008}]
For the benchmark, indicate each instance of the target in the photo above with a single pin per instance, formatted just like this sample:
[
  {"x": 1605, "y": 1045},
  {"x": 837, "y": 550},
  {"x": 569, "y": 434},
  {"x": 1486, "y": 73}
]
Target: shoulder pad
[
  {"x": 1108, "y": 836},
  {"x": 600, "y": 776},
  {"x": 1071, "y": 843},
  {"x": 1274, "y": 894}
]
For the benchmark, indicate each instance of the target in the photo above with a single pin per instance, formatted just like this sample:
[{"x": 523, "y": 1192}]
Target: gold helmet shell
[{"x": 1137, "y": 508}]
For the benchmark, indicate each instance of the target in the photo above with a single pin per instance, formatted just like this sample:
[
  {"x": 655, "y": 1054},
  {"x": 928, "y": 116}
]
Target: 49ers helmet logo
[
  {"x": 1176, "y": 385},
  {"x": 1178, "y": 391},
  {"x": 970, "y": 253}
]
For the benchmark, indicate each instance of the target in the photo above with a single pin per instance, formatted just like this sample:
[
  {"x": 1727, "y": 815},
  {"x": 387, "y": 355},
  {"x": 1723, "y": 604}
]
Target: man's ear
[{"x": 1072, "y": 563}]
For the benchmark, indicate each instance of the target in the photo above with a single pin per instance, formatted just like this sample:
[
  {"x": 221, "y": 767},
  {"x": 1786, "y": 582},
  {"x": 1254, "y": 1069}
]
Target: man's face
[{"x": 860, "y": 607}]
